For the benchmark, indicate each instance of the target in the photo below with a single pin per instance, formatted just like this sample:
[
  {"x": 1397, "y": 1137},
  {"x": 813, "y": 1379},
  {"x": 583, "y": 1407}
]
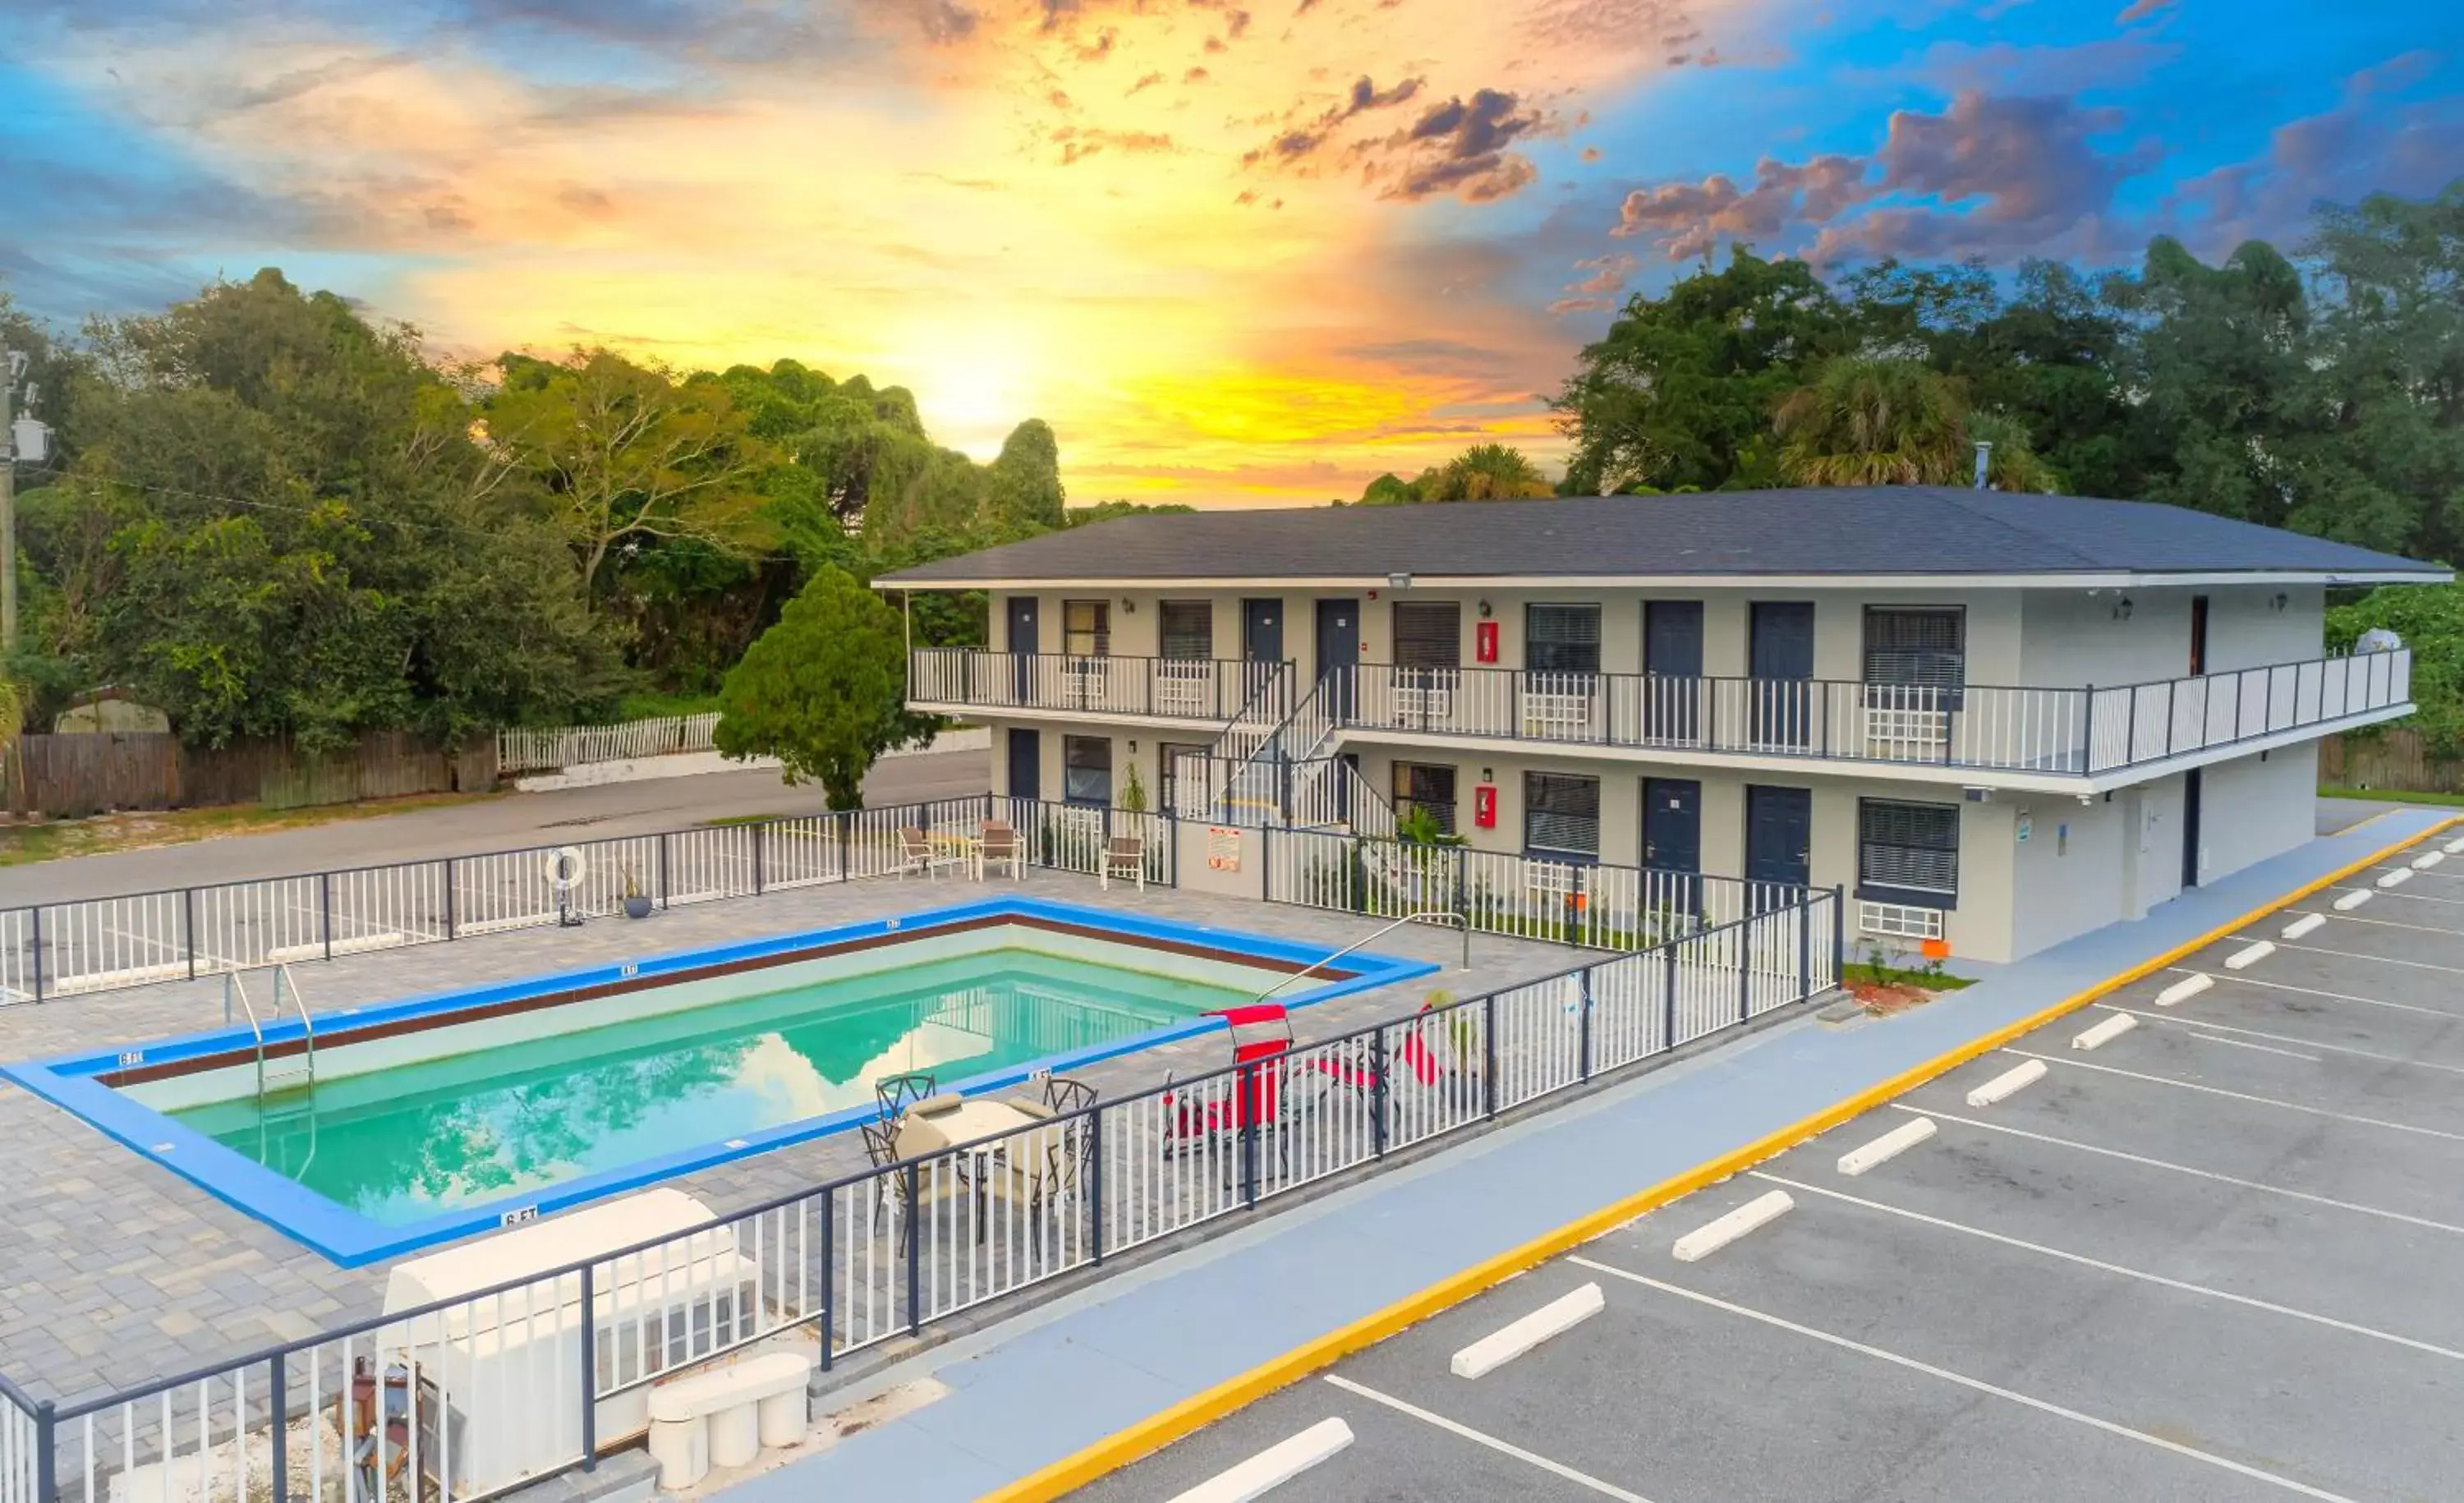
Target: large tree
[
  {"x": 1679, "y": 393},
  {"x": 626, "y": 453},
  {"x": 278, "y": 524},
  {"x": 822, "y": 690}
]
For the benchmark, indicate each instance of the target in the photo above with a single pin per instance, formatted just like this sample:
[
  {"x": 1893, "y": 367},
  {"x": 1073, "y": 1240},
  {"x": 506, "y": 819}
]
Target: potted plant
[{"x": 637, "y": 904}]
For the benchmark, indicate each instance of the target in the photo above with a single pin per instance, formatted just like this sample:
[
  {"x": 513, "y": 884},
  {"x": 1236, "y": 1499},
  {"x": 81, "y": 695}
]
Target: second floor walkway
[{"x": 2063, "y": 733}]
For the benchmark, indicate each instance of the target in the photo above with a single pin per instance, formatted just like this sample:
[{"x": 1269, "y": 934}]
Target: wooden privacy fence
[
  {"x": 75, "y": 775},
  {"x": 2392, "y": 759}
]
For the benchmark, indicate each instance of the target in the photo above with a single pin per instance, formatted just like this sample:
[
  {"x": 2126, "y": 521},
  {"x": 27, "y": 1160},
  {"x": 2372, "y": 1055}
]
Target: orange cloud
[{"x": 1015, "y": 207}]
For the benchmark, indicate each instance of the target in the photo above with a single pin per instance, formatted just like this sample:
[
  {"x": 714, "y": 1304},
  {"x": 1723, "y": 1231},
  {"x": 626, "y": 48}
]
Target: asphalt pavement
[
  {"x": 2218, "y": 1255},
  {"x": 512, "y": 821}
]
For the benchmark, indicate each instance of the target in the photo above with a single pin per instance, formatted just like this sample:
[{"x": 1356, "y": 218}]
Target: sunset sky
[{"x": 1235, "y": 250}]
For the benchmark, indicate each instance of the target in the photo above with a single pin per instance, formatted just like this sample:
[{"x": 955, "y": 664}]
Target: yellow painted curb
[{"x": 1198, "y": 1410}]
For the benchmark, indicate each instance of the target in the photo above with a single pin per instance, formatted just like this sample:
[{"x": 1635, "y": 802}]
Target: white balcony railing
[
  {"x": 1159, "y": 688},
  {"x": 2077, "y": 732}
]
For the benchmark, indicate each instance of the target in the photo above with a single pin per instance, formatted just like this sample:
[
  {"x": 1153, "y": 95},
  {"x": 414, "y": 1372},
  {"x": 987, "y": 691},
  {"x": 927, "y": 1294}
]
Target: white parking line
[
  {"x": 2186, "y": 1022},
  {"x": 1607, "y": 1490},
  {"x": 1972, "y": 1384},
  {"x": 2196, "y": 1173},
  {"x": 2410, "y": 898},
  {"x": 2385, "y": 923},
  {"x": 1271, "y": 1469},
  {"x": 2186, "y": 1287},
  {"x": 2240, "y": 1096},
  {"x": 2336, "y": 996},
  {"x": 2383, "y": 959},
  {"x": 2263, "y": 1049}
]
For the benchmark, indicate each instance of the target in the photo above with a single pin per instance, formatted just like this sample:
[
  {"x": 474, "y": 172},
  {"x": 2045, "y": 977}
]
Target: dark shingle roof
[{"x": 1890, "y": 530}]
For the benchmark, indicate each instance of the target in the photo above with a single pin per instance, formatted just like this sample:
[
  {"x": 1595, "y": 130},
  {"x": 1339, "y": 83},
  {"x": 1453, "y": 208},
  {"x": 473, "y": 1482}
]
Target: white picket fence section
[{"x": 533, "y": 749}]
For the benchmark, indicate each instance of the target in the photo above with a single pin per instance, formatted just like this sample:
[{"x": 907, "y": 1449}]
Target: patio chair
[
  {"x": 999, "y": 843},
  {"x": 918, "y": 852},
  {"x": 1126, "y": 858},
  {"x": 934, "y": 1181},
  {"x": 1261, "y": 1034},
  {"x": 1063, "y": 1095},
  {"x": 895, "y": 1093}
]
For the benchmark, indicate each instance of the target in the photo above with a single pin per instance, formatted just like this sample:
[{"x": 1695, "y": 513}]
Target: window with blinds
[
  {"x": 1188, "y": 628},
  {"x": 1428, "y": 633},
  {"x": 1562, "y": 639},
  {"x": 1423, "y": 785},
  {"x": 1561, "y": 815},
  {"x": 1086, "y": 769},
  {"x": 1907, "y": 852},
  {"x": 1087, "y": 628},
  {"x": 1924, "y": 648}
]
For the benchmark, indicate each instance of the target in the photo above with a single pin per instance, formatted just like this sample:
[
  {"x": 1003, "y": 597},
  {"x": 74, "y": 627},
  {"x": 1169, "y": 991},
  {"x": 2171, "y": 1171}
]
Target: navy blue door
[
  {"x": 1025, "y": 764},
  {"x": 1779, "y": 836},
  {"x": 1781, "y": 661},
  {"x": 1025, "y": 640},
  {"x": 2190, "y": 829},
  {"x": 1672, "y": 836},
  {"x": 1338, "y": 653},
  {"x": 1672, "y": 662}
]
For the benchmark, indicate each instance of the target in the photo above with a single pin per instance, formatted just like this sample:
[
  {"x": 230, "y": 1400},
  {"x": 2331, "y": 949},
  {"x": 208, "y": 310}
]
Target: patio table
[{"x": 981, "y": 1117}]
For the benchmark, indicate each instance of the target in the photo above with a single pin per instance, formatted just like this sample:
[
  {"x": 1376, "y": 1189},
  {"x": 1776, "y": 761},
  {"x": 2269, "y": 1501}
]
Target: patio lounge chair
[
  {"x": 1125, "y": 856},
  {"x": 999, "y": 843},
  {"x": 1212, "y": 1119}
]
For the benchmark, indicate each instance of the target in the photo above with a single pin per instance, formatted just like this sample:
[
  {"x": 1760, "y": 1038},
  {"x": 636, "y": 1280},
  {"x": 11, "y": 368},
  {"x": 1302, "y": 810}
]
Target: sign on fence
[{"x": 1223, "y": 849}]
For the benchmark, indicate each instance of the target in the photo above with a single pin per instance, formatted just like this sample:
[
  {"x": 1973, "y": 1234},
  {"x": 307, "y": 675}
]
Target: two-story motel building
[{"x": 1996, "y": 720}]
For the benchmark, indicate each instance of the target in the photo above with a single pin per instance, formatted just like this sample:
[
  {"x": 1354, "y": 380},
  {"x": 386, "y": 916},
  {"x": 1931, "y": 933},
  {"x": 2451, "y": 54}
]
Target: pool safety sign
[{"x": 1223, "y": 849}]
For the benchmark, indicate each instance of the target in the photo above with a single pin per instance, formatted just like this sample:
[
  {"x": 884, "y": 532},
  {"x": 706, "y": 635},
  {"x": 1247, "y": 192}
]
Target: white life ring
[{"x": 565, "y": 867}]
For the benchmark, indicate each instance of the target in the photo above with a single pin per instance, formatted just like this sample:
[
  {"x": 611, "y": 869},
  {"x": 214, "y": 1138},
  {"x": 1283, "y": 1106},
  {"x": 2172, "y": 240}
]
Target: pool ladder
[
  {"x": 281, "y": 1082},
  {"x": 299, "y": 1077}
]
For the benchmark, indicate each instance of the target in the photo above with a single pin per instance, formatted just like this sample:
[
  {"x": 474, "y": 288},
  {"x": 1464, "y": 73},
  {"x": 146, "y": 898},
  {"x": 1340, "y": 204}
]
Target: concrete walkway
[{"x": 1029, "y": 1392}]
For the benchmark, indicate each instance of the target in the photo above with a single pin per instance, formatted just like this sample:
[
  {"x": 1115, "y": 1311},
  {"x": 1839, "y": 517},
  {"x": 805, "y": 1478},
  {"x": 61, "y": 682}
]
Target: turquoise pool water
[{"x": 404, "y": 1145}]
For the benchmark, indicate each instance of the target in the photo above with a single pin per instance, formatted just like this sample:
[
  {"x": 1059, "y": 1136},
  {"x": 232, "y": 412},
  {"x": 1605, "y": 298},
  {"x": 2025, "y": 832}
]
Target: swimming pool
[{"x": 434, "y": 1117}]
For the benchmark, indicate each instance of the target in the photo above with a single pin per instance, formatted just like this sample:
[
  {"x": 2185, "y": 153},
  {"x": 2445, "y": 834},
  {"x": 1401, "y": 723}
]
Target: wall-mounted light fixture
[
  {"x": 2280, "y": 601},
  {"x": 2122, "y": 608},
  {"x": 1134, "y": 751},
  {"x": 1485, "y": 611},
  {"x": 1129, "y": 606},
  {"x": 1398, "y": 581}
]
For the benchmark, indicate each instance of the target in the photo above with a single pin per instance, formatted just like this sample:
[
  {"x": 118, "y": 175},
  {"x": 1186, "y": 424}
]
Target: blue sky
[{"x": 1233, "y": 248}]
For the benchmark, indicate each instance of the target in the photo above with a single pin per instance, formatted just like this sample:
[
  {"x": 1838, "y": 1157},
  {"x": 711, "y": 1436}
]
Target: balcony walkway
[
  {"x": 2051, "y": 739},
  {"x": 1025, "y": 1393}
]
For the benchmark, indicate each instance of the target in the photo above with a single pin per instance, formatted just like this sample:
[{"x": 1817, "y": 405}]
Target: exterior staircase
[{"x": 1270, "y": 769}]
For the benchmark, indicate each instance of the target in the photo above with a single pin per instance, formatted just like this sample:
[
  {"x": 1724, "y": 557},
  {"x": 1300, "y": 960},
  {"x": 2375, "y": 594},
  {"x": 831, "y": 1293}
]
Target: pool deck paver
[
  {"x": 121, "y": 1272},
  {"x": 1033, "y": 1390}
]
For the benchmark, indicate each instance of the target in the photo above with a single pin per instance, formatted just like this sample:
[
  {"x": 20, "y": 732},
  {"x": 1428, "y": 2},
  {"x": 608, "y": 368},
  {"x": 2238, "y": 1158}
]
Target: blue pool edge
[{"x": 351, "y": 1240}]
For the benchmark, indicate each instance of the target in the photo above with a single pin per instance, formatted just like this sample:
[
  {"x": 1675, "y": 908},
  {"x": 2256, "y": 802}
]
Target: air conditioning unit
[
  {"x": 1978, "y": 795},
  {"x": 499, "y": 1371}
]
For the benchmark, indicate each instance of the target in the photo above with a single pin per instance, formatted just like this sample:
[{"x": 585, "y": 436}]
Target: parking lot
[{"x": 2218, "y": 1255}]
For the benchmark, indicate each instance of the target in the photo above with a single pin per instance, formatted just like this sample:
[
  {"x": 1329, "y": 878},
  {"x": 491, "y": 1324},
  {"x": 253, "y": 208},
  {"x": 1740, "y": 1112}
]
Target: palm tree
[
  {"x": 1866, "y": 421},
  {"x": 1490, "y": 473},
  {"x": 1873, "y": 421}
]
